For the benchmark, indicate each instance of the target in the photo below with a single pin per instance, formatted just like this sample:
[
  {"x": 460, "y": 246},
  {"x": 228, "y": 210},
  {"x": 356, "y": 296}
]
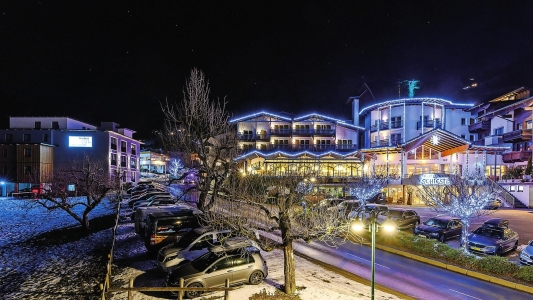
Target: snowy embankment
[{"x": 35, "y": 267}]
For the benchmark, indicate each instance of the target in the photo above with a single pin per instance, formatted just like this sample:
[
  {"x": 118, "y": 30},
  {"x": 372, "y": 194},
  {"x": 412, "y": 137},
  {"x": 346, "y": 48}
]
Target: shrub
[
  {"x": 525, "y": 273},
  {"x": 495, "y": 265}
]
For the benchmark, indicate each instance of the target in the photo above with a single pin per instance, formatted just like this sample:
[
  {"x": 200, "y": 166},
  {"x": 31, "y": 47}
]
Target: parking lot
[{"x": 521, "y": 220}]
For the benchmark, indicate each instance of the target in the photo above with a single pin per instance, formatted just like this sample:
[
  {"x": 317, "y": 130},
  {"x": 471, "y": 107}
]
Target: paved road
[{"x": 407, "y": 276}]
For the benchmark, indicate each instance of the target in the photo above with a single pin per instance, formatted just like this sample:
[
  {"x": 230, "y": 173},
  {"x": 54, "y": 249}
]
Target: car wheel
[
  {"x": 442, "y": 238},
  {"x": 256, "y": 277},
  {"x": 193, "y": 294},
  {"x": 515, "y": 245},
  {"x": 499, "y": 251}
]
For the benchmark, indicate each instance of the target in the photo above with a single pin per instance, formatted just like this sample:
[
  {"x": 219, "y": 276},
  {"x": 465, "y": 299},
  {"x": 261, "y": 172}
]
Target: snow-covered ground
[
  {"x": 314, "y": 282},
  {"x": 32, "y": 268}
]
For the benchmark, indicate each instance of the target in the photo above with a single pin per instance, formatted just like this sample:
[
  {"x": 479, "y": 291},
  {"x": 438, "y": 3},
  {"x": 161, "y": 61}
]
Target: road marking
[
  {"x": 366, "y": 260},
  {"x": 465, "y": 294}
]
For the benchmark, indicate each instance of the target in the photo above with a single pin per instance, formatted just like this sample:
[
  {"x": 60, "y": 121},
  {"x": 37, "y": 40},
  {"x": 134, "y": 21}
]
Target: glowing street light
[{"x": 389, "y": 226}]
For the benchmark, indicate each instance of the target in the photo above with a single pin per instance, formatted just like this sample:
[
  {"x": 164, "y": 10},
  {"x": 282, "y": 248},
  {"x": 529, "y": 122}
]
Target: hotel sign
[{"x": 434, "y": 179}]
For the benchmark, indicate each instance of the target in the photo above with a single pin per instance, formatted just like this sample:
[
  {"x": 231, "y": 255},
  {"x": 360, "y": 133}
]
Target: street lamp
[{"x": 358, "y": 226}]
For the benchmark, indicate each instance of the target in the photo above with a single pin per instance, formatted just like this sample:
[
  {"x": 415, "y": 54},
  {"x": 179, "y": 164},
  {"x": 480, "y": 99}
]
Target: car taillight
[{"x": 152, "y": 239}]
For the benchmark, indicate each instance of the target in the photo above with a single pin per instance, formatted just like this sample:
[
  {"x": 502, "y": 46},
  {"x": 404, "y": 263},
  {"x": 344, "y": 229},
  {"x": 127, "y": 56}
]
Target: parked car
[
  {"x": 347, "y": 206},
  {"x": 236, "y": 263},
  {"x": 141, "y": 213},
  {"x": 163, "y": 228},
  {"x": 145, "y": 196},
  {"x": 404, "y": 218},
  {"x": 441, "y": 228},
  {"x": 192, "y": 245},
  {"x": 526, "y": 256},
  {"x": 493, "y": 204},
  {"x": 494, "y": 237},
  {"x": 379, "y": 198},
  {"x": 139, "y": 187},
  {"x": 365, "y": 211},
  {"x": 326, "y": 203},
  {"x": 155, "y": 201}
]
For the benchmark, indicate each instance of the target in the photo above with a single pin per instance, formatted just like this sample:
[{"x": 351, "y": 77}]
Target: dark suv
[
  {"x": 494, "y": 237},
  {"x": 441, "y": 228}
]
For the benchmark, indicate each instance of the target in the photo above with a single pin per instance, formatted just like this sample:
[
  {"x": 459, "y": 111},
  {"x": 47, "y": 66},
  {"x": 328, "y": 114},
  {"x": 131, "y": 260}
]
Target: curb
[{"x": 492, "y": 279}]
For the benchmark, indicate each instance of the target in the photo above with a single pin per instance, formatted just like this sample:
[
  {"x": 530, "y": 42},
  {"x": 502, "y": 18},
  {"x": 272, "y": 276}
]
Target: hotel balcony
[
  {"x": 281, "y": 132},
  {"x": 385, "y": 143},
  {"x": 382, "y": 126},
  {"x": 479, "y": 126},
  {"x": 517, "y": 136},
  {"x": 300, "y": 148},
  {"x": 309, "y": 132},
  {"x": 516, "y": 156},
  {"x": 246, "y": 137},
  {"x": 429, "y": 124}
]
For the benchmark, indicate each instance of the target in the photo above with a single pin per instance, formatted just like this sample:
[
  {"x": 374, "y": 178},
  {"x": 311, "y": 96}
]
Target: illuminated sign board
[
  {"x": 433, "y": 179},
  {"x": 80, "y": 141}
]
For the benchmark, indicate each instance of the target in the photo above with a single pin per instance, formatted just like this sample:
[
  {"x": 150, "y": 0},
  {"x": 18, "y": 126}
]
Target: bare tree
[
  {"x": 461, "y": 197},
  {"x": 273, "y": 204},
  {"x": 85, "y": 183},
  {"x": 198, "y": 126}
]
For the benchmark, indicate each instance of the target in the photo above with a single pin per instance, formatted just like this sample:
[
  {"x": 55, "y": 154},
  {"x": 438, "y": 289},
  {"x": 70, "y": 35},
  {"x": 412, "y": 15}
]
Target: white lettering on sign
[{"x": 433, "y": 179}]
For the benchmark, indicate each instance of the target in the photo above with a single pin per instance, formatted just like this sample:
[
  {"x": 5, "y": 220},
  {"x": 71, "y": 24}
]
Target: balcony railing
[
  {"x": 300, "y": 148},
  {"x": 516, "y": 156},
  {"x": 281, "y": 131},
  {"x": 479, "y": 126},
  {"x": 381, "y": 126},
  {"x": 429, "y": 124},
  {"x": 324, "y": 132},
  {"x": 380, "y": 143},
  {"x": 517, "y": 136}
]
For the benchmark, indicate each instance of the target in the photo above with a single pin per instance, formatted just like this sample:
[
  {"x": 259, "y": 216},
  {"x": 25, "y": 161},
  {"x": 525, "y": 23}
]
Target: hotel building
[{"x": 408, "y": 137}]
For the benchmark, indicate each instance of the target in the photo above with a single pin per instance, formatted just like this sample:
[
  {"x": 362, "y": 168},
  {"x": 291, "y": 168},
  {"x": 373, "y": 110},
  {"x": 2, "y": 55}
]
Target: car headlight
[{"x": 435, "y": 234}]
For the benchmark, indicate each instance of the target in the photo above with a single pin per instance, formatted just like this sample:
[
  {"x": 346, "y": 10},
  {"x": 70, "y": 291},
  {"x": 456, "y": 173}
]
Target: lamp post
[{"x": 388, "y": 226}]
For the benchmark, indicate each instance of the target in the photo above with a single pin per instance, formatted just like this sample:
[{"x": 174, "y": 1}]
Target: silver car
[
  {"x": 526, "y": 256},
  {"x": 192, "y": 245},
  {"x": 213, "y": 268}
]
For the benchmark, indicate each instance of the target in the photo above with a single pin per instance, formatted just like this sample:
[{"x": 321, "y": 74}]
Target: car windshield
[
  {"x": 204, "y": 261},
  {"x": 187, "y": 238},
  {"x": 436, "y": 223},
  {"x": 488, "y": 232}
]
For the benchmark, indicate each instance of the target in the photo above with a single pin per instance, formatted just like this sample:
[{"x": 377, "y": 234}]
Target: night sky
[{"x": 117, "y": 61}]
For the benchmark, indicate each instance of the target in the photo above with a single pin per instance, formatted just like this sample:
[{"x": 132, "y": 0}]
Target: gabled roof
[
  {"x": 319, "y": 117},
  {"x": 261, "y": 116}
]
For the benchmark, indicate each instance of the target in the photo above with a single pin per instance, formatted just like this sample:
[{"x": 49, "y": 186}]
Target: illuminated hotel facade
[
  {"x": 35, "y": 146},
  {"x": 408, "y": 137}
]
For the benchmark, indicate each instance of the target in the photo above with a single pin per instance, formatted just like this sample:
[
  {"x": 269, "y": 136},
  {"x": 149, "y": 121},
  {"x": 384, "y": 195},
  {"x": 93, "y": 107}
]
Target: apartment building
[{"x": 34, "y": 146}]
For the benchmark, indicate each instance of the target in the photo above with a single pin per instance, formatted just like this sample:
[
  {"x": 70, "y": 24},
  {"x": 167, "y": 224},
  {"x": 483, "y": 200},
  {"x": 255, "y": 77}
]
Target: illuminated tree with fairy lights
[
  {"x": 370, "y": 182},
  {"x": 460, "y": 197}
]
